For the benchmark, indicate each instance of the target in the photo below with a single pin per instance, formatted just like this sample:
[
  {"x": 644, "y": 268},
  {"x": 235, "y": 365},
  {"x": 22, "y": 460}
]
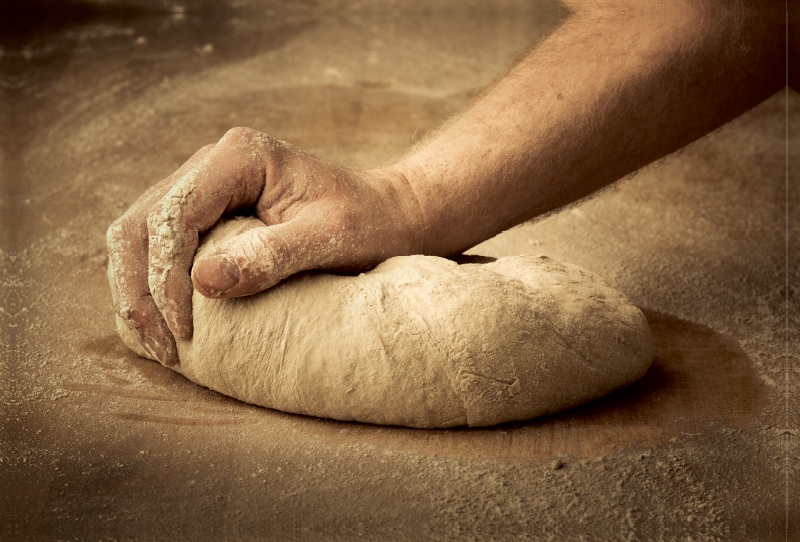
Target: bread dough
[{"x": 419, "y": 341}]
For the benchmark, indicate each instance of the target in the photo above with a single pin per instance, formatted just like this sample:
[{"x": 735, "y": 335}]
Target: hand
[{"x": 318, "y": 215}]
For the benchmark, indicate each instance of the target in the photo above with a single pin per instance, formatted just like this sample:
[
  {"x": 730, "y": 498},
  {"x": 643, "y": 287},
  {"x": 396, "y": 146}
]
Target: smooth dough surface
[{"x": 419, "y": 341}]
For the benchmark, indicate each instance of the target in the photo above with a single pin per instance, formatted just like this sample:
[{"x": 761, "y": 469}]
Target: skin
[{"x": 617, "y": 86}]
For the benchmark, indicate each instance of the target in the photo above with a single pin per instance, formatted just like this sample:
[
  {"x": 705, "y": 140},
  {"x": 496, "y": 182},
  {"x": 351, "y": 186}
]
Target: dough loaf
[{"x": 419, "y": 341}]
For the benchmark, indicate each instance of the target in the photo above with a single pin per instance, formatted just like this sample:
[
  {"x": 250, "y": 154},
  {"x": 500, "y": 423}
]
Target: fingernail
[
  {"x": 165, "y": 356},
  {"x": 217, "y": 274},
  {"x": 153, "y": 348}
]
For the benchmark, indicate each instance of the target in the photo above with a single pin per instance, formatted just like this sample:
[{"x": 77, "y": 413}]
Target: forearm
[{"x": 611, "y": 90}]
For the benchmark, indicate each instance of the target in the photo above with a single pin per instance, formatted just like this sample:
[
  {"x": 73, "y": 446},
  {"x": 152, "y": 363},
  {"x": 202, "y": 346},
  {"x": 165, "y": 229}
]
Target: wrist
[{"x": 400, "y": 186}]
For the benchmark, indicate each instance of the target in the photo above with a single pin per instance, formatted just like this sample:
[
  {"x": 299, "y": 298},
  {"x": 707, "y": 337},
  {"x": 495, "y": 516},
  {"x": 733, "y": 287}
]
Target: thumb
[{"x": 258, "y": 259}]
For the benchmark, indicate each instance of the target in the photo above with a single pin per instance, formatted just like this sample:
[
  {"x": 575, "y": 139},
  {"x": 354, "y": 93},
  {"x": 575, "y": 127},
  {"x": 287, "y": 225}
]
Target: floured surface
[
  {"x": 419, "y": 341},
  {"x": 98, "y": 443}
]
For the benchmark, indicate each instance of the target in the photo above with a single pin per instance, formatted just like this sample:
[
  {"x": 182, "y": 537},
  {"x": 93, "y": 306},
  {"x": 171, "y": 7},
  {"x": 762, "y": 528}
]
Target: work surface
[{"x": 100, "y": 444}]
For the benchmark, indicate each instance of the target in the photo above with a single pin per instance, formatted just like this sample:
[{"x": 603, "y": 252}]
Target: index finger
[
  {"x": 231, "y": 176},
  {"x": 127, "y": 243}
]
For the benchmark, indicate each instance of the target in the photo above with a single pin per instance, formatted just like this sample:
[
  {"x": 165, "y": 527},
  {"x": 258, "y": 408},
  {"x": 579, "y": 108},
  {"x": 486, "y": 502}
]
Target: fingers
[
  {"x": 260, "y": 258},
  {"x": 171, "y": 243},
  {"x": 330, "y": 227},
  {"x": 127, "y": 276},
  {"x": 143, "y": 317},
  {"x": 228, "y": 177},
  {"x": 127, "y": 241}
]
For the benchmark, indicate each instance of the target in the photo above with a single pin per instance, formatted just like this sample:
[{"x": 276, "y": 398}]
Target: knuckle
[
  {"x": 114, "y": 232},
  {"x": 250, "y": 253},
  {"x": 262, "y": 247},
  {"x": 239, "y": 134},
  {"x": 122, "y": 228},
  {"x": 256, "y": 255}
]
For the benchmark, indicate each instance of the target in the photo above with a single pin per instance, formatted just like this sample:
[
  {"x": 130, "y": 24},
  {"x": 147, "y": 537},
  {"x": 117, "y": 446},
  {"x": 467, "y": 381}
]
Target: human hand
[{"x": 318, "y": 215}]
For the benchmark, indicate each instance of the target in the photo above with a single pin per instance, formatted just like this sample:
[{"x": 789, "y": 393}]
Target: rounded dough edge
[{"x": 510, "y": 352}]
